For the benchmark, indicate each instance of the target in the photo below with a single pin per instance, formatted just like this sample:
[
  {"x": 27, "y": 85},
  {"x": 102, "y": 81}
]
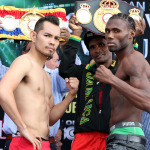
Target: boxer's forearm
[{"x": 58, "y": 110}]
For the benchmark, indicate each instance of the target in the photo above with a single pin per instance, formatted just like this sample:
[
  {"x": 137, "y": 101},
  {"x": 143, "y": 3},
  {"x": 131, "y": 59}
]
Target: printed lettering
[
  {"x": 71, "y": 108},
  {"x": 89, "y": 101},
  {"x": 83, "y": 120},
  {"x": 87, "y": 110},
  {"x": 148, "y": 19},
  {"x": 138, "y": 4},
  {"x": 145, "y": 48},
  {"x": 88, "y": 92}
]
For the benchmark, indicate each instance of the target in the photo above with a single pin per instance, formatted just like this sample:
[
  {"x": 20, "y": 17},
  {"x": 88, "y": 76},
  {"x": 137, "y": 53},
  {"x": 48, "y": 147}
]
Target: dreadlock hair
[
  {"x": 126, "y": 17},
  {"x": 51, "y": 18}
]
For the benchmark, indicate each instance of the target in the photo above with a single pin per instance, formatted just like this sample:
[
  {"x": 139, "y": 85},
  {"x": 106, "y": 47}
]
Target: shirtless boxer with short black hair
[{"x": 25, "y": 93}]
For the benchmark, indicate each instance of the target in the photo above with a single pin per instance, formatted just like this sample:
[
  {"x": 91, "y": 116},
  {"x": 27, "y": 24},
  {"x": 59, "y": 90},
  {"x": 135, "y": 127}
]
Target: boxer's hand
[
  {"x": 64, "y": 34},
  {"x": 35, "y": 140},
  {"x": 103, "y": 74},
  {"x": 72, "y": 85},
  {"x": 76, "y": 28}
]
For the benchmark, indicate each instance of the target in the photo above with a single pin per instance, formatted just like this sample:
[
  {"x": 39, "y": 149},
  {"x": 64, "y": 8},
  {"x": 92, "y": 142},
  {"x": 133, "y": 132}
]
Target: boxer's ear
[
  {"x": 131, "y": 34},
  {"x": 33, "y": 36}
]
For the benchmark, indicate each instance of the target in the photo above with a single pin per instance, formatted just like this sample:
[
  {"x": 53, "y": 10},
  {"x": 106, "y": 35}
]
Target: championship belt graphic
[
  {"x": 18, "y": 22},
  {"x": 134, "y": 13},
  {"x": 6, "y": 23},
  {"x": 83, "y": 15},
  {"x": 28, "y": 21},
  {"x": 107, "y": 9},
  {"x": 94, "y": 14}
]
